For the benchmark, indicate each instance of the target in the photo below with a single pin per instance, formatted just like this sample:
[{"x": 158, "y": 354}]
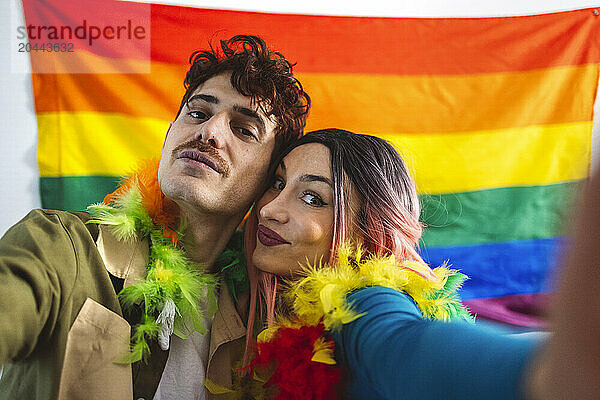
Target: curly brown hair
[{"x": 260, "y": 73}]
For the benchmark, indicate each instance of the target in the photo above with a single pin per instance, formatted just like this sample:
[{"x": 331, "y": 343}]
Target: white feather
[{"x": 166, "y": 319}]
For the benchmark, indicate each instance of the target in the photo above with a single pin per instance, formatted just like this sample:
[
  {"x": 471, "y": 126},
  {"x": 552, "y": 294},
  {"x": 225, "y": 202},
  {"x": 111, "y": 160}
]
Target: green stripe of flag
[
  {"x": 486, "y": 216},
  {"x": 497, "y": 215},
  {"x": 75, "y": 192}
]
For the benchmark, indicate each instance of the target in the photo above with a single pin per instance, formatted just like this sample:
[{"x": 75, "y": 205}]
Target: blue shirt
[{"x": 392, "y": 352}]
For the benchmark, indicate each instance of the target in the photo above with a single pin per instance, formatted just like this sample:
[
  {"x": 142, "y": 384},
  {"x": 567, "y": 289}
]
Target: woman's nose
[{"x": 275, "y": 210}]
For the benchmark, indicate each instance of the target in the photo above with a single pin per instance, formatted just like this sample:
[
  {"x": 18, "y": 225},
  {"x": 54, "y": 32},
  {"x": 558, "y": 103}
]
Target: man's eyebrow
[
  {"x": 205, "y": 97},
  {"x": 317, "y": 178},
  {"x": 252, "y": 114}
]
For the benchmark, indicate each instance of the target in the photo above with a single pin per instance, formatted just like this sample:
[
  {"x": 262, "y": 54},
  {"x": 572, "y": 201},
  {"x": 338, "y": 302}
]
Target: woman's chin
[
  {"x": 276, "y": 264},
  {"x": 263, "y": 262}
]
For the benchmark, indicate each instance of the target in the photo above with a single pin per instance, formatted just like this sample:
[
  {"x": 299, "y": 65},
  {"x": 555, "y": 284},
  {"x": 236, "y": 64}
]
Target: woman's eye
[
  {"x": 278, "y": 184},
  {"x": 313, "y": 200},
  {"x": 197, "y": 115}
]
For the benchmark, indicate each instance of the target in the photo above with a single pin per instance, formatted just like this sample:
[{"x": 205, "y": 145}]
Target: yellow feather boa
[
  {"x": 321, "y": 294},
  {"x": 318, "y": 301}
]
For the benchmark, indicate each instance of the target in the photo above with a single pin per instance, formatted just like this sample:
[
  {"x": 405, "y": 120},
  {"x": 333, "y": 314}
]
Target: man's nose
[{"x": 215, "y": 130}]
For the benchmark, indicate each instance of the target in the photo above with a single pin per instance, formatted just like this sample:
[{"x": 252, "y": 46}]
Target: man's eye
[
  {"x": 313, "y": 200},
  {"x": 197, "y": 115},
  {"x": 245, "y": 132},
  {"x": 278, "y": 184}
]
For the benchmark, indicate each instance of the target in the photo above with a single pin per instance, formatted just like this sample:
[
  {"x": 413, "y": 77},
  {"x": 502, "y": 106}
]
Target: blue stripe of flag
[{"x": 501, "y": 269}]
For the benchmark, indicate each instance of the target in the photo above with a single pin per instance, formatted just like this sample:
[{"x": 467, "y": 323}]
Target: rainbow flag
[{"x": 493, "y": 116}]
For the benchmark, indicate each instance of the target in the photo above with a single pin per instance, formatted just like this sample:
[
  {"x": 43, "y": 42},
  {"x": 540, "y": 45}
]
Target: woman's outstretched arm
[
  {"x": 393, "y": 352},
  {"x": 569, "y": 365}
]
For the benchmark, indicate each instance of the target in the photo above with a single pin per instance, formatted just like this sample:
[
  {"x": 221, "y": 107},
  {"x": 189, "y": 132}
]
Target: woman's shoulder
[
  {"x": 443, "y": 305},
  {"x": 381, "y": 299},
  {"x": 381, "y": 293}
]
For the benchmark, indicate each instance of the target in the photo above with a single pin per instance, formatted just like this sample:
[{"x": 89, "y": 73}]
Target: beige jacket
[
  {"x": 55, "y": 283},
  {"x": 128, "y": 261}
]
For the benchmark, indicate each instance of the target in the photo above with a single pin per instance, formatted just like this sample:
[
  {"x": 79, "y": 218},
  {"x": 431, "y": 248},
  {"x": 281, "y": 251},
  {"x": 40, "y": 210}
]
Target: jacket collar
[{"x": 124, "y": 259}]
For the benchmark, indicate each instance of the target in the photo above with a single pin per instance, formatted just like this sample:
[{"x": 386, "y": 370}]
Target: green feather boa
[{"x": 171, "y": 276}]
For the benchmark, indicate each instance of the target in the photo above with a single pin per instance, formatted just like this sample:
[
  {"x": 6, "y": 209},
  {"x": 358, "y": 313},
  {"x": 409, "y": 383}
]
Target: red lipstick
[{"x": 269, "y": 237}]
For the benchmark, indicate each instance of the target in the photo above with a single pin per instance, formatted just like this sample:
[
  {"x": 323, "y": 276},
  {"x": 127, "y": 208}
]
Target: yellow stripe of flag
[
  {"x": 462, "y": 162},
  {"x": 89, "y": 143},
  {"x": 442, "y": 163}
]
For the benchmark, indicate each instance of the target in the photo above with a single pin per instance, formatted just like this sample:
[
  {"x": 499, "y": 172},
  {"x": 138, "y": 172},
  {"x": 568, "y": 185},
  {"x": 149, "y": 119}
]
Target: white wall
[{"x": 18, "y": 167}]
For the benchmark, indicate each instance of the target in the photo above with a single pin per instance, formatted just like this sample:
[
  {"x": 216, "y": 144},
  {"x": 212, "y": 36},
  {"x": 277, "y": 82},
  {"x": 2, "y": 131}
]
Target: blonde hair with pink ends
[
  {"x": 389, "y": 211},
  {"x": 385, "y": 223}
]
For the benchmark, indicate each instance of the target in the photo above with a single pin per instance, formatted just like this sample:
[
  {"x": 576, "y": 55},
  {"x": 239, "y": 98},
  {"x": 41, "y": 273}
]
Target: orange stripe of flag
[{"x": 369, "y": 104}]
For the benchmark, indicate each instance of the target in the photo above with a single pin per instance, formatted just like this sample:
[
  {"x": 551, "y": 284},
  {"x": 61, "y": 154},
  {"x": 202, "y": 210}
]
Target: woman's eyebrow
[{"x": 317, "y": 178}]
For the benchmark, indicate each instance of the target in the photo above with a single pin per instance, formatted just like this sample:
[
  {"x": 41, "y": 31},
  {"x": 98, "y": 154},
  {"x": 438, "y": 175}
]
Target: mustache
[{"x": 197, "y": 144}]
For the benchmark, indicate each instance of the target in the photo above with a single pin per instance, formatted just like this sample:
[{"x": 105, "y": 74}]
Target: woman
[{"x": 363, "y": 320}]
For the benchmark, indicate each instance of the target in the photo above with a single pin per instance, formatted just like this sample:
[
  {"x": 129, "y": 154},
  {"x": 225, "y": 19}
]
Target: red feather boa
[{"x": 288, "y": 355}]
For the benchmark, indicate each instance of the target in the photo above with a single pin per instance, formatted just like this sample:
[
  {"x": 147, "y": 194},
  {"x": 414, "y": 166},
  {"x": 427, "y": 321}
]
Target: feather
[
  {"x": 297, "y": 354},
  {"x": 166, "y": 320},
  {"x": 174, "y": 286},
  {"x": 323, "y": 351},
  {"x": 162, "y": 211},
  {"x": 143, "y": 332},
  {"x": 289, "y": 357},
  {"x": 321, "y": 293},
  {"x": 123, "y": 225}
]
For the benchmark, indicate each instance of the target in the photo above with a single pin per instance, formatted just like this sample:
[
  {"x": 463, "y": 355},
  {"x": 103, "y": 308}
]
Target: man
[{"x": 61, "y": 323}]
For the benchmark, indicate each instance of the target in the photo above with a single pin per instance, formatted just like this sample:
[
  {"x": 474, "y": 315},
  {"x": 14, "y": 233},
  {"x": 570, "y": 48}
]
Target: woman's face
[{"x": 295, "y": 215}]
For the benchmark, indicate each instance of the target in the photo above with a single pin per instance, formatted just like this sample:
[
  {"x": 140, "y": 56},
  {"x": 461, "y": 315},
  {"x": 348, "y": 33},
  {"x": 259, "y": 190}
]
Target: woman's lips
[{"x": 269, "y": 237}]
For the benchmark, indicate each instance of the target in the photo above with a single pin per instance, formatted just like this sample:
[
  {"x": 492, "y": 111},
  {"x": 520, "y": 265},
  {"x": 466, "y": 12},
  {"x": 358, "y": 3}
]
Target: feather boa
[
  {"x": 175, "y": 289},
  {"x": 159, "y": 208},
  {"x": 298, "y": 353}
]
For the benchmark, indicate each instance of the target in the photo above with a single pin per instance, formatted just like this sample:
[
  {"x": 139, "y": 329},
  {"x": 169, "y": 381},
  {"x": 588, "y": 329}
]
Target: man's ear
[{"x": 167, "y": 134}]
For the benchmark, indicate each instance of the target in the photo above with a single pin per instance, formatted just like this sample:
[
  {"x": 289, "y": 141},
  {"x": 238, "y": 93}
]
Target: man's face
[{"x": 217, "y": 151}]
